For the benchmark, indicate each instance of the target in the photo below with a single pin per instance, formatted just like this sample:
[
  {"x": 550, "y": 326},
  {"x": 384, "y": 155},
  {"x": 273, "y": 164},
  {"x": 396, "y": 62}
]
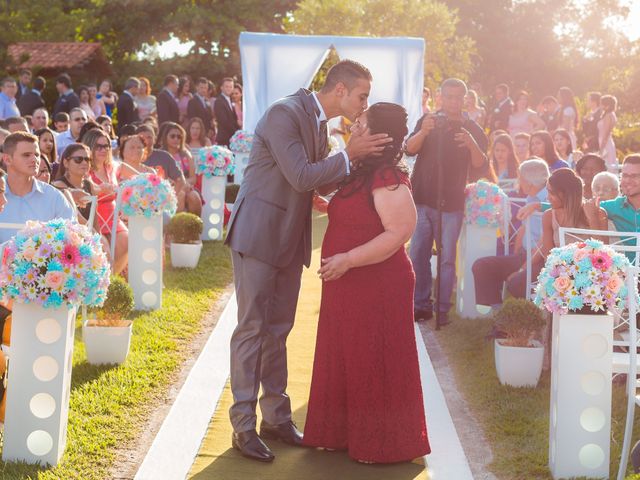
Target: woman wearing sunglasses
[
  {"x": 172, "y": 139},
  {"x": 72, "y": 177}
]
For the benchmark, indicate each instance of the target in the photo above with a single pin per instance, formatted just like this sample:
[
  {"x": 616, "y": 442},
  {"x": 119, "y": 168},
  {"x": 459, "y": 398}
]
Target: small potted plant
[
  {"x": 230, "y": 194},
  {"x": 519, "y": 354},
  {"x": 185, "y": 230},
  {"x": 107, "y": 337}
]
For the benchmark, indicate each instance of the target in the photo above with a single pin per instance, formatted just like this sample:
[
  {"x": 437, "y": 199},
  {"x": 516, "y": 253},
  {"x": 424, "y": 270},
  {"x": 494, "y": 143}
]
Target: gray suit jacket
[{"x": 271, "y": 219}]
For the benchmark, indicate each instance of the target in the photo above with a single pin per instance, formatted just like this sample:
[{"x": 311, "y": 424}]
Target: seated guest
[
  {"x": 104, "y": 174},
  {"x": 173, "y": 141},
  {"x": 40, "y": 119},
  {"x": 562, "y": 140},
  {"x": 132, "y": 151},
  {"x": 587, "y": 167},
  {"x": 541, "y": 145},
  {"x": 61, "y": 122},
  {"x": 164, "y": 164},
  {"x": 490, "y": 273},
  {"x": 196, "y": 138},
  {"x": 28, "y": 198},
  {"x": 16, "y": 124},
  {"x": 44, "y": 170},
  {"x": 605, "y": 186},
  {"x": 77, "y": 118},
  {"x": 72, "y": 178},
  {"x": 503, "y": 158}
]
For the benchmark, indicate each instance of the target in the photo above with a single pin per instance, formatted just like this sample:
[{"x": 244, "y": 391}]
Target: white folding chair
[
  {"x": 633, "y": 396},
  {"x": 508, "y": 185},
  {"x": 621, "y": 242}
]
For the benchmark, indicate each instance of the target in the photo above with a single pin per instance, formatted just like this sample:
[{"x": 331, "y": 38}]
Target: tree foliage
[{"x": 447, "y": 53}]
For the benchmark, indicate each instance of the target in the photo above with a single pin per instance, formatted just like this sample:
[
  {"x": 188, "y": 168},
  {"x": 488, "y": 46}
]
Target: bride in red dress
[{"x": 366, "y": 395}]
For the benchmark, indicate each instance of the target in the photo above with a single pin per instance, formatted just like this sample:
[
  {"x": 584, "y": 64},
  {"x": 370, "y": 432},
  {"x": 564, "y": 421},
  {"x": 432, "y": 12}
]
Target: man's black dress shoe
[
  {"x": 422, "y": 315},
  {"x": 251, "y": 446},
  {"x": 285, "y": 432}
]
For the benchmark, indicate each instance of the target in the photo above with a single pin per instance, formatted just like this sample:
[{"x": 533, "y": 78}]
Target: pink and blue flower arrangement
[
  {"x": 485, "y": 205},
  {"x": 583, "y": 275},
  {"x": 147, "y": 194},
  {"x": 215, "y": 161},
  {"x": 55, "y": 263},
  {"x": 241, "y": 141}
]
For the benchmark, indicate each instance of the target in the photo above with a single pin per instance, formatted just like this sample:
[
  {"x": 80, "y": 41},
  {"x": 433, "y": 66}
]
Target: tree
[{"x": 447, "y": 54}]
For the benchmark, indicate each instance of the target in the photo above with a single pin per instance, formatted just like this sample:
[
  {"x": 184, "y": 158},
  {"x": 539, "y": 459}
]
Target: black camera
[{"x": 442, "y": 123}]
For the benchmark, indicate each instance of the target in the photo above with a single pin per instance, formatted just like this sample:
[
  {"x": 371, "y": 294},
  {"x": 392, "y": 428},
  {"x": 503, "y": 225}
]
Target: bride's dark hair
[{"x": 382, "y": 117}]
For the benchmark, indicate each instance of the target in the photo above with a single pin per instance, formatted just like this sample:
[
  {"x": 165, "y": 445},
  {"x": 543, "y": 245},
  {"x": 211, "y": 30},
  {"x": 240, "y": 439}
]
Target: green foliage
[
  {"x": 185, "y": 227},
  {"x": 626, "y": 134},
  {"x": 520, "y": 320},
  {"x": 447, "y": 53},
  {"x": 119, "y": 300},
  {"x": 231, "y": 193}
]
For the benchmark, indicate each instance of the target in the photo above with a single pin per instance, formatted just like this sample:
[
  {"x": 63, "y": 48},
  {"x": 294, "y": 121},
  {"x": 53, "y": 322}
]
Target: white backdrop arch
[{"x": 274, "y": 66}]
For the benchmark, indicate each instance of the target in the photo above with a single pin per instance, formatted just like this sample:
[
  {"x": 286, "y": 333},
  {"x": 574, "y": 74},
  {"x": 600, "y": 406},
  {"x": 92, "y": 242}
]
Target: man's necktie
[{"x": 324, "y": 139}]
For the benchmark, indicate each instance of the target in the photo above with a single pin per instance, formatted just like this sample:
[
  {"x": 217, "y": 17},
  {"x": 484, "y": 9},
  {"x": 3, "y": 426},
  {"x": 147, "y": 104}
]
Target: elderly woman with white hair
[
  {"x": 490, "y": 273},
  {"x": 605, "y": 186}
]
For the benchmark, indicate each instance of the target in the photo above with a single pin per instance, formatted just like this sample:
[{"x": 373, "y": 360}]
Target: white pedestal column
[
  {"x": 580, "y": 407},
  {"x": 145, "y": 261},
  {"x": 213, "y": 209},
  {"x": 476, "y": 242},
  {"x": 241, "y": 159},
  {"x": 39, "y": 384}
]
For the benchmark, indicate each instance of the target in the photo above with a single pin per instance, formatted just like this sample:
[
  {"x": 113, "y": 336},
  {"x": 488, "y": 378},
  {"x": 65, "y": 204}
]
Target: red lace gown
[{"x": 366, "y": 395}]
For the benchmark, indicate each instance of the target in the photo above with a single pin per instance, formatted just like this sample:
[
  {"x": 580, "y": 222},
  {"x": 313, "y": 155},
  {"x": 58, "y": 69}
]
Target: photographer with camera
[{"x": 448, "y": 145}]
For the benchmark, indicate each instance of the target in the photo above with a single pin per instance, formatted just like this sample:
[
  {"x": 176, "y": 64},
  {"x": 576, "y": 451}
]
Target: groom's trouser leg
[
  {"x": 257, "y": 286},
  {"x": 275, "y": 404}
]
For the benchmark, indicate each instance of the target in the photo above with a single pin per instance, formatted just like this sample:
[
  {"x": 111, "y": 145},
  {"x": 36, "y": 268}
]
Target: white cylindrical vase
[
  {"x": 241, "y": 160},
  {"x": 476, "y": 242},
  {"x": 145, "y": 261},
  {"x": 213, "y": 190},
  {"x": 580, "y": 406},
  {"x": 35, "y": 429}
]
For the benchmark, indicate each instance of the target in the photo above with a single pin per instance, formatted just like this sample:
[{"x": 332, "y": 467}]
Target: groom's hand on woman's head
[{"x": 364, "y": 144}]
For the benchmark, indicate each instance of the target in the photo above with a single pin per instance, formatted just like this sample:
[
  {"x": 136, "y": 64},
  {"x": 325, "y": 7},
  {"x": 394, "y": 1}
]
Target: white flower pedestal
[
  {"x": 213, "y": 209},
  {"x": 580, "y": 407},
  {"x": 106, "y": 345},
  {"x": 241, "y": 160},
  {"x": 476, "y": 242},
  {"x": 35, "y": 429},
  {"x": 145, "y": 261}
]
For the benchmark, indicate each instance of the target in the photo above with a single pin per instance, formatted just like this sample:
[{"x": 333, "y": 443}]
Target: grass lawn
[
  {"x": 515, "y": 420},
  {"x": 110, "y": 405}
]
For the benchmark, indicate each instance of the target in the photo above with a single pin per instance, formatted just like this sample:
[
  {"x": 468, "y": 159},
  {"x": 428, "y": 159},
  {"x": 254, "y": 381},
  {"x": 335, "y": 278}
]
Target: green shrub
[
  {"x": 185, "y": 227},
  {"x": 520, "y": 320},
  {"x": 118, "y": 305},
  {"x": 231, "y": 193}
]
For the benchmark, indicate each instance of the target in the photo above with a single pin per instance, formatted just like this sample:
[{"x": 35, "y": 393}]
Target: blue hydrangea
[
  {"x": 54, "y": 266},
  {"x": 60, "y": 235},
  {"x": 85, "y": 250},
  {"x": 575, "y": 302},
  {"x": 22, "y": 267}
]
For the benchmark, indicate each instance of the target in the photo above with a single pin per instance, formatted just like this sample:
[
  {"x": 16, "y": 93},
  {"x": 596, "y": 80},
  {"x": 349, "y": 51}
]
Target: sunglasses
[
  {"x": 79, "y": 159},
  {"x": 175, "y": 136},
  {"x": 102, "y": 146}
]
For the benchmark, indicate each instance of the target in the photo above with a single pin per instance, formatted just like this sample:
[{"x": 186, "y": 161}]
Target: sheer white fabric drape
[{"x": 274, "y": 66}]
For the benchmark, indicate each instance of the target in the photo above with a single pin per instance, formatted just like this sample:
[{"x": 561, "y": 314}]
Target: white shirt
[{"x": 323, "y": 118}]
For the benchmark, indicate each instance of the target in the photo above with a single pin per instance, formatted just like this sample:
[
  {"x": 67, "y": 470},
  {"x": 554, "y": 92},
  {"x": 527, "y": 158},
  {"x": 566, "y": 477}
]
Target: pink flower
[
  {"x": 126, "y": 193},
  {"x": 615, "y": 283},
  {"x": 70, "y": 255},
  {"x": 154, "y": 179},
  {"x": 54, "y": 280},
  {"x": 601, "y": 261},
  {"x": 562, "y": 284},
  {"x": 28, "y": 253},
  {"x": 580, "y": 254}
]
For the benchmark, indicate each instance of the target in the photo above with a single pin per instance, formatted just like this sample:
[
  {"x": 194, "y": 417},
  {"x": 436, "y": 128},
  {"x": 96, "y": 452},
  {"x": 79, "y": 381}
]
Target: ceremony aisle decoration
[
  {"x": 485, "y": 208},
  {"x": 143, "y": 200},
  {"x": 240, "y": 144},
  {"x": 580, "y": 284},
  {"x": 185, "y": 229},
  {"x": 519, "y": 355},
  {"x": 107, "y": 337},
  {"x": 48, "y": 270},
  {"x": 214, "y": 164}
]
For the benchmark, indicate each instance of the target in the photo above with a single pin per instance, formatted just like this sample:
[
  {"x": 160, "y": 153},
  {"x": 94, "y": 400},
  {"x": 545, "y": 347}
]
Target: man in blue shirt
[
  {"x": 77, "y": 119},
  {"x": 8, "y": 107},
  {"x": 28, "y": 198},
  {"x": 490, "y": 273}
]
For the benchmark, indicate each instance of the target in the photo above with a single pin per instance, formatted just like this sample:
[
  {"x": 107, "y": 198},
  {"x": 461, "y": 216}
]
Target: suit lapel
[{"x": 310, "y": 108}]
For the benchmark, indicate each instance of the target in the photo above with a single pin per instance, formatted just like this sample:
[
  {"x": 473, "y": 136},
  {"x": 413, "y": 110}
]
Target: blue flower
[
  {"x": 594, "y": 243},
  {"x": 85, "y": 250},
  {"x": 576, "y": 303},
  {"x": 22, "y": 267},
  {"x": 54, "y": 300},
  {"x": 581, "y": 280},
  {"x": 54, "y": 266},
  {"x": 56, "y": 223},
  {"x": 60, "y": 235},
  {"x": 585, "y": 264}
]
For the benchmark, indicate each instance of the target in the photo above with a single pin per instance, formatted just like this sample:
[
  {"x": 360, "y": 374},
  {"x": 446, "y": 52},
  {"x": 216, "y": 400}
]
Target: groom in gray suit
[{"x": 270, "y": 238}]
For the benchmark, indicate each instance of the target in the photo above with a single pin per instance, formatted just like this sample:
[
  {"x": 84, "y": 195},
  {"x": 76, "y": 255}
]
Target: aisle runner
[{"x": 216, "y": 459}]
